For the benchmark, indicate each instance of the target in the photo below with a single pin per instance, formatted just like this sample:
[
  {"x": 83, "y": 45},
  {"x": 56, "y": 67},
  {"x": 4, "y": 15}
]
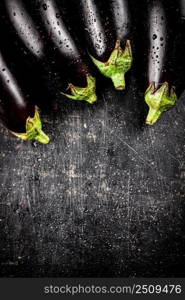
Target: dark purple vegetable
[
  {"x": 17, "y": 112},
  {"x": 25, "y": 46},
  {"x": 67, "y": 53},
  {"x": 105, "y": 26},
  {"x": 160, "y": 94},
  {"x": 25, "y": 27},
  {"x": 44, "y": 44},
  {"x": 120, "y": 12}
]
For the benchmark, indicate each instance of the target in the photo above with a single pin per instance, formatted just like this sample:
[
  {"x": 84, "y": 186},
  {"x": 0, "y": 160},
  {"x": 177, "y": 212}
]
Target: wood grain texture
[{"x": 104, "y": 198}]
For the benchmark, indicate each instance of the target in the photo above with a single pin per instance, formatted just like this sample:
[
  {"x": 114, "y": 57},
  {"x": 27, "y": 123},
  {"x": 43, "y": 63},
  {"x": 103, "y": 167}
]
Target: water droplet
[
  {"x": 44, "y": 6},
  {"x": 154, "y": 36}
]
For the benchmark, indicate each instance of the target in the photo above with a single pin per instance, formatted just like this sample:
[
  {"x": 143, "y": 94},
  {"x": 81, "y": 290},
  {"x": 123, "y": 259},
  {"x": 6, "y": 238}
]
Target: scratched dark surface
[{"x": 104, "y": 199}]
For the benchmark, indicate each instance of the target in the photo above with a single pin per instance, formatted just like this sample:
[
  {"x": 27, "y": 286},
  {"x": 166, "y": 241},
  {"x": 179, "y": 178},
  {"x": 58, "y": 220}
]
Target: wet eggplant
[
  {"x": 17, "y": 112},
  {"x": 82, "y": 84},
  {"x": 25, "y": 45},
  {"x": 42, "y": 41},
  {"x": 105, "y": 29},
  {"x": 161, "y": 25},
  {"x": 121, "y": 26}
]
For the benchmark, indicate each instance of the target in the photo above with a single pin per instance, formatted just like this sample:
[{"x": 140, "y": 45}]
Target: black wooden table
[{"x": 104, "y": 199}]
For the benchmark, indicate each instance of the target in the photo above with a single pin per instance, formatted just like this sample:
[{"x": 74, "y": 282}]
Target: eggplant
[
  {"x": 17, "y": 112},
  {"x": 69, "y": 57},
  {"x": 105, "y": 28},
  {"x": 121, "y": 17},
  {"x": 25, "y": 45},
  {"x": 28, "y": 18},
  {"x": 25, "y": 27},
  {"x": 161, "y": 25}
]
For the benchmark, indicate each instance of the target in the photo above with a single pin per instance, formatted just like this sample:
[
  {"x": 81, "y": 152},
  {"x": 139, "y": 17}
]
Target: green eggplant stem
[
  {"x": 33, "y": 130},
  {"x": 118, "y": 64},
  {"x": 159, "y": 101},
  {"x": 88, "y": 93}
]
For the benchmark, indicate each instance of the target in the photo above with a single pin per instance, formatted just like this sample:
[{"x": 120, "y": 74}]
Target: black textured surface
[{"x": 104, "y": 198}]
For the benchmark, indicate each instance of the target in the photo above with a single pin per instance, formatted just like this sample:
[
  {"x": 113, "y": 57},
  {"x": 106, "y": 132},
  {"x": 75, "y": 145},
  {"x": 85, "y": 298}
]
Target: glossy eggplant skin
[
  {"x": 120, "y": 11},
  {"x": 161, "y": 25},
  {"x": 15, "y": 108},
  {"x": 18, "y": 109},
  {"x": 17, "y": 112},
  {"x": 94, "y": 27},
  {"x": 100, "y": 32},
  {"x": 67, "y": 53},
  {"x": 43, "y": 51},
  {"x": 24, "y": 40}
]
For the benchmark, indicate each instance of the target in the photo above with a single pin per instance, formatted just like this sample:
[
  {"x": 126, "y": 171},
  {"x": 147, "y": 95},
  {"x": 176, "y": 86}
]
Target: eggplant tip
[
  {"x": 118, "y": 64},
  {"x": 80, "y": 93},
  {"x": 159, "y": 101},
  {"x": 118, "y": 80},
  {"x": 153, "y": 116},
  {"x": 33, "y": 130},
  {"x": 92, "y": 99},
  {"x": 42, "y": 137},
  {"x": 149, "y": 122}
]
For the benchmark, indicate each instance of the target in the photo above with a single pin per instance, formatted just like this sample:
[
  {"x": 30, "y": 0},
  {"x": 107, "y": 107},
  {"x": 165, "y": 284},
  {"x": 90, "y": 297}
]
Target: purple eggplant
[
  {"x": 121, "y": 16},
  {"x": 82, "y": 84},
  {"x": 17, "y": 112},
  {"x": 25, "y": 45},
  {"x": 40, "y": 27},
  {"x": 25, "y": 27},
  {"x": 105, "y": 29},
  {"x": 161, "y": 29}
]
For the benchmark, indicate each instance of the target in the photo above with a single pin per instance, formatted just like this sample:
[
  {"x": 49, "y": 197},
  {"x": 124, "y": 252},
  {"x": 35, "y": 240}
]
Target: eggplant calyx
[
  {"x": 33, "y": 130},
  {"x": 119, "y": 62},
  {"x": 159, "y": 101},
  {"x": 88, "y": 93}
]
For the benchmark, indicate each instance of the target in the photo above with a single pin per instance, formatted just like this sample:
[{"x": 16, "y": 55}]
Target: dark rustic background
[{"x": 105, "y": 198}]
